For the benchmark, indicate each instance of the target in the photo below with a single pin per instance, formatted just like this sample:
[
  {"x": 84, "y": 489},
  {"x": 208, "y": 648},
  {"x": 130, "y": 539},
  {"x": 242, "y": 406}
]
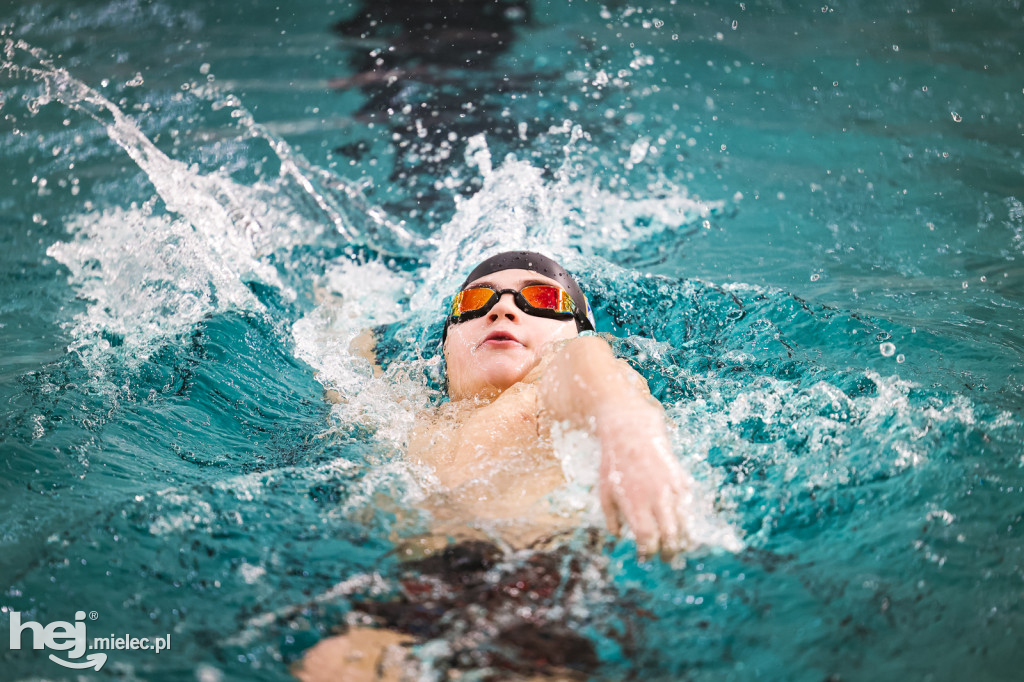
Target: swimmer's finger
[
  {"x": 669, "y": 523},
  {"x": 611, "y": 511},
  {"x": 645, "y": 530}
]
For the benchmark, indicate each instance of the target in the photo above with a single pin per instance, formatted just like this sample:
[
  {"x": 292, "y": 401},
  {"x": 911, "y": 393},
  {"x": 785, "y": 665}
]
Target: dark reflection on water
[{"x": 431, "y": 75}]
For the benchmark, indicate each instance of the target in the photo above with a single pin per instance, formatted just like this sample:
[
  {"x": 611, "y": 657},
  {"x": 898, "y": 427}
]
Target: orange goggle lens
[
  {"x": 471, "y": 299},
  {"x": 548, "y": 298}
]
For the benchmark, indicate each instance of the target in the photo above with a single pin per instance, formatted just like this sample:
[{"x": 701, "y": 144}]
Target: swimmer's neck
[{"x": 481, "y": 397}]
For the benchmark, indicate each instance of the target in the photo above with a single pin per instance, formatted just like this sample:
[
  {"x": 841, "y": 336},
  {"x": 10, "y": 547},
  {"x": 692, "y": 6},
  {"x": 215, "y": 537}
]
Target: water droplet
[{"x": 887, "y": 349}]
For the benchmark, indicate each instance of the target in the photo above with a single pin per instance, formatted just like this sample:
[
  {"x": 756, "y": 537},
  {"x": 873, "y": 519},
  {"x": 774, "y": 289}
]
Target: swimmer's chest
[{"x": 475, "y": 442}]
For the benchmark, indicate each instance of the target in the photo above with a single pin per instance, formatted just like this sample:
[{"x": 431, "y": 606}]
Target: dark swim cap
[{"x": 542, "y": 265}]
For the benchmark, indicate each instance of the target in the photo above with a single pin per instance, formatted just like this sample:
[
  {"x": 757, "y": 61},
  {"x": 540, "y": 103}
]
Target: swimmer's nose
[{"x": 505, "y": 307}]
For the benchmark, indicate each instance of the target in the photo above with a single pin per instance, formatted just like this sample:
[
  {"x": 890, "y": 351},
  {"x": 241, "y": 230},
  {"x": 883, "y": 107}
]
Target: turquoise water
[{"x": 804, "y": 221}]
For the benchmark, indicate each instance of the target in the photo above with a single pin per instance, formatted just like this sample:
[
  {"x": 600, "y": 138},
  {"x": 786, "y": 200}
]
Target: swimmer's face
[{"x": 488, "y": 354}]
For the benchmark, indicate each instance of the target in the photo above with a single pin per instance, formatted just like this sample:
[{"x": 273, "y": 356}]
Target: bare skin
[
  {"x": 512, "y": 376},
  {"x": 496, "y": 468}
]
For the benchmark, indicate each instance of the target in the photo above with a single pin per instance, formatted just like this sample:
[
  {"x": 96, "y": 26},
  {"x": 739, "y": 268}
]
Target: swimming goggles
[{"x": 541, "y": 300}]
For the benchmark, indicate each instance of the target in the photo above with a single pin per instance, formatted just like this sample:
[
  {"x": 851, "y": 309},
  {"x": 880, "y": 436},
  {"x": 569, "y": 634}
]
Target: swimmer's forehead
[{"x": 511, "y": 279}]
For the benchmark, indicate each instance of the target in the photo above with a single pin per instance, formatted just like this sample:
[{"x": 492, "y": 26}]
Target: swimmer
[{"x": 517, "y": 367}]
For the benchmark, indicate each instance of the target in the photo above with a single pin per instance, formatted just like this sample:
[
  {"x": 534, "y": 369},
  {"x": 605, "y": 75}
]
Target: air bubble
[
  {"x": 956, "y": 117},
  {"x": 887, "y": 349},
  {"x": 900, "y": 358}
]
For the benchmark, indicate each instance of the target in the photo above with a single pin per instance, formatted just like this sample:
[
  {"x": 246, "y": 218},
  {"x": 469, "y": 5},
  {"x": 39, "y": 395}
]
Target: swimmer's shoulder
[{"x": 551, "y": 352}]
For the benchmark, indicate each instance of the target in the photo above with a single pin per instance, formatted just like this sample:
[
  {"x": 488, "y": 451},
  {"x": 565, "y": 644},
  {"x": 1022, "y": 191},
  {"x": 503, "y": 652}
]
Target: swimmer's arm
[
  {"x": 363, "y": 345},
  {"x": 640, "y": 479}
]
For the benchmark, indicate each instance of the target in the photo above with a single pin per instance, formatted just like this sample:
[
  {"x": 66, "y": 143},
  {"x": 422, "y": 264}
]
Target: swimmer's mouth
[{"x": 500, "y": 337}]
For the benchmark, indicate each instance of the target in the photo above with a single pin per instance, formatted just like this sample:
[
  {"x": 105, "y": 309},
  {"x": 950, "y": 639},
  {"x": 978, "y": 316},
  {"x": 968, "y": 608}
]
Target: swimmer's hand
[{"x": 641, "y": 482}]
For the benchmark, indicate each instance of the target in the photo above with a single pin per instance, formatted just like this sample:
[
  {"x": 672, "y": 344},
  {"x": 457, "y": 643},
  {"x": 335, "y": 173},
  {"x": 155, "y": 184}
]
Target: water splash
[
  {"x": 356, "y": 297},
  {"x": 148, "y": 279},
  {"x": 151, "y": 277},
  {"x": 571, "y": 214},
  {"x": 340, "y": 202}
]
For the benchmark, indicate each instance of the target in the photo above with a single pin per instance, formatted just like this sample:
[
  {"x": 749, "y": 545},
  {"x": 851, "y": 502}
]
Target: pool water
[{"x": 803, "y": 222}]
